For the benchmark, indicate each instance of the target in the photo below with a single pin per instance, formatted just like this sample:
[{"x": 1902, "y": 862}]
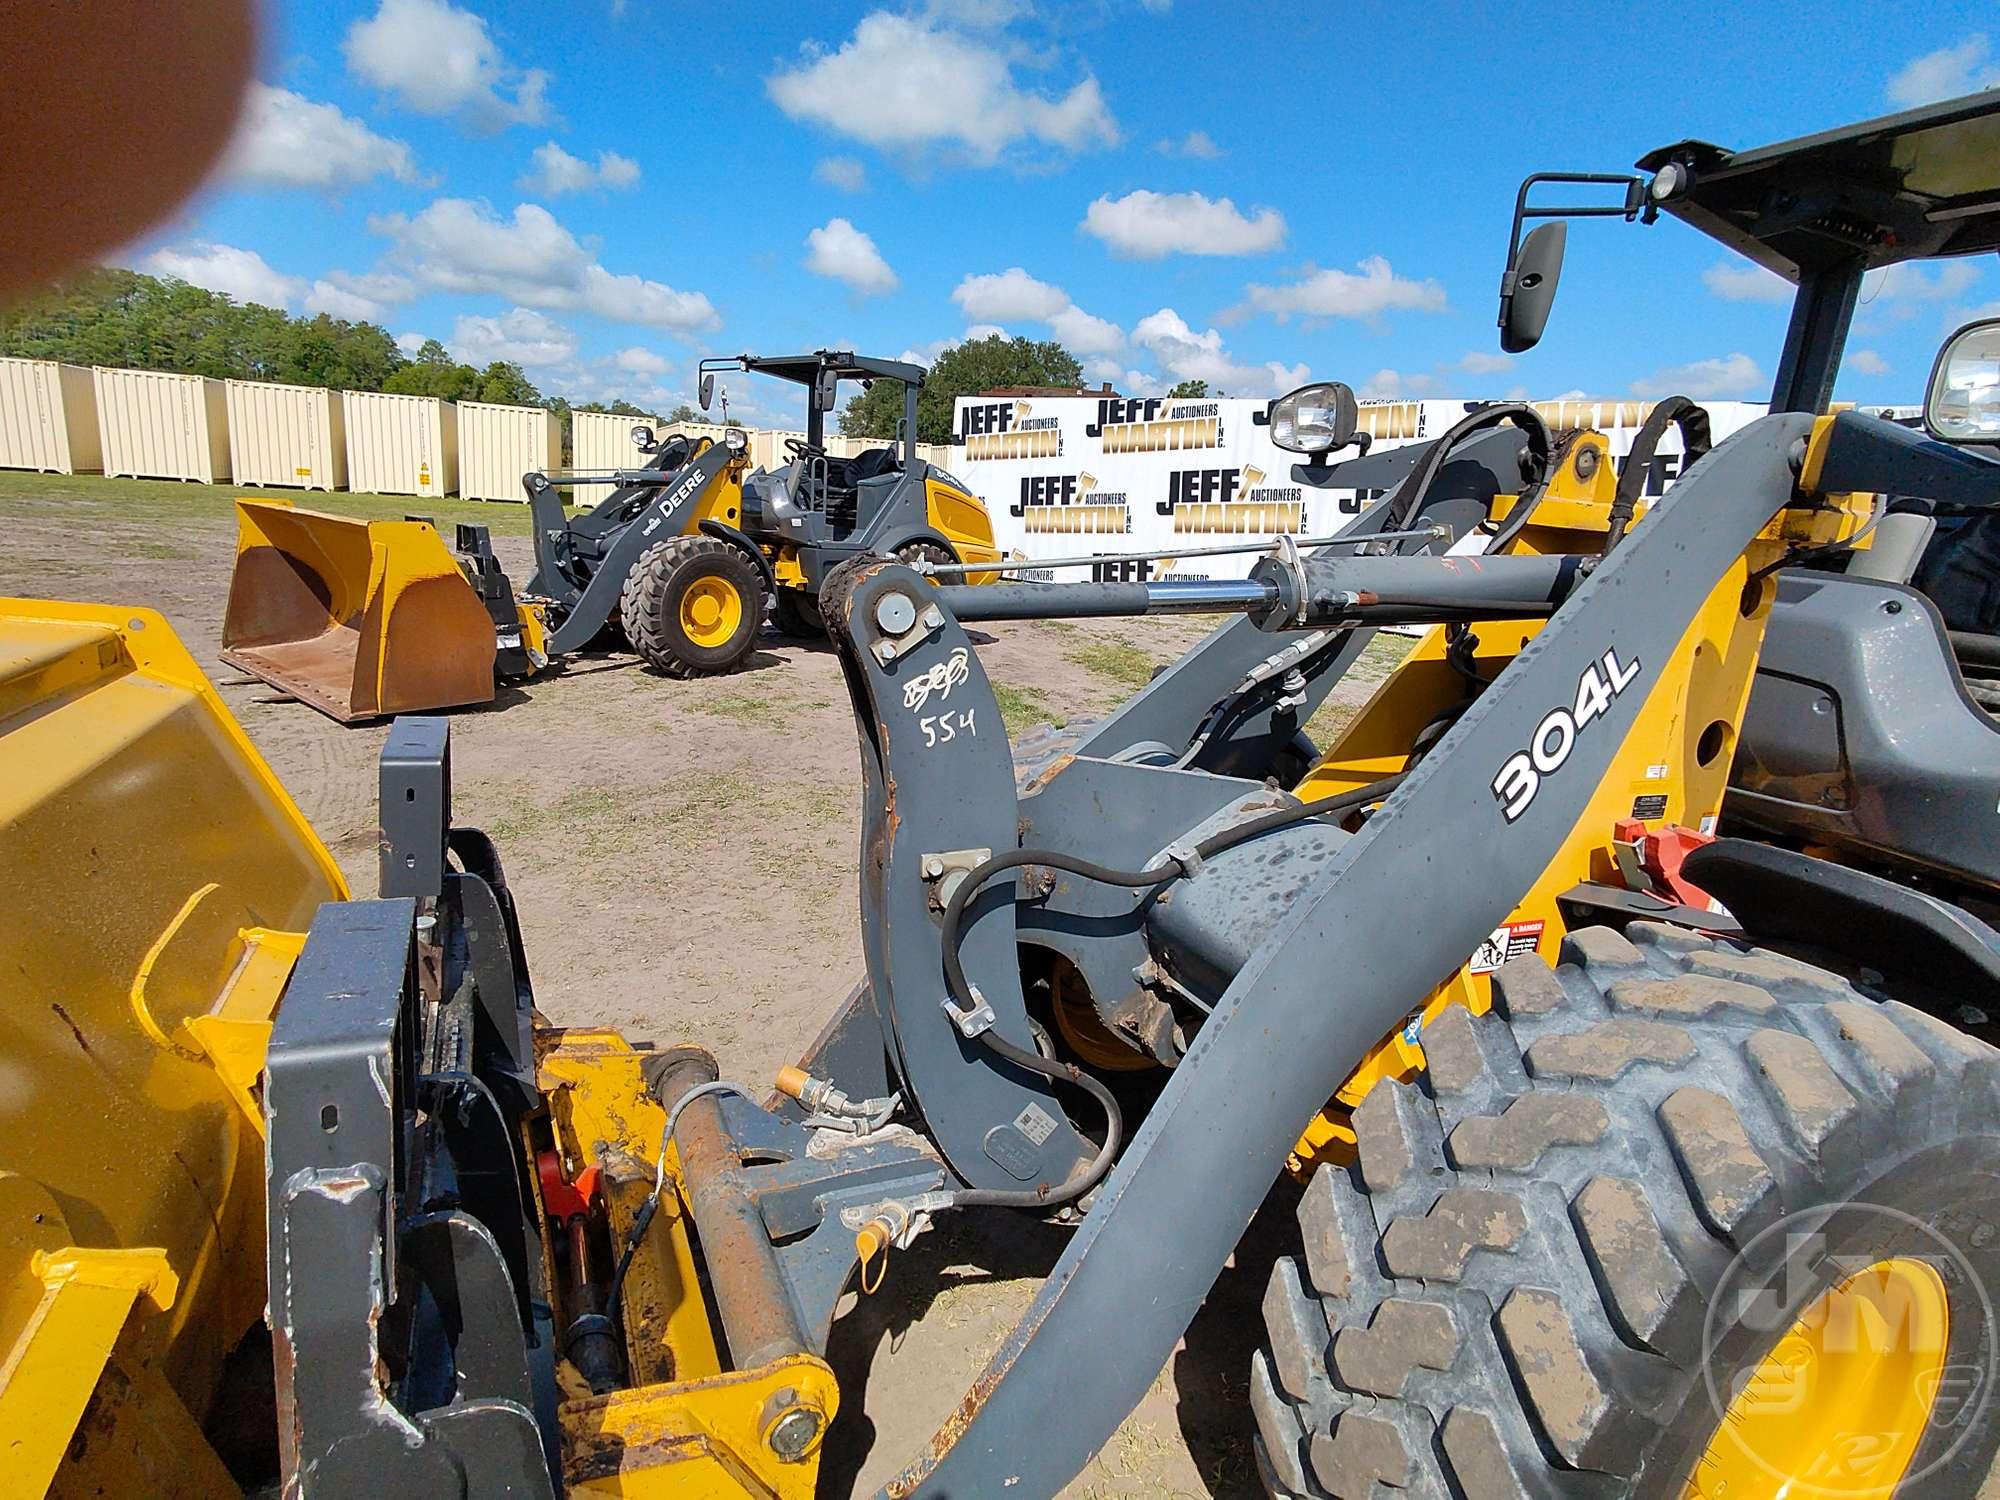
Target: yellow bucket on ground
[{"x": 360, "y": 619}]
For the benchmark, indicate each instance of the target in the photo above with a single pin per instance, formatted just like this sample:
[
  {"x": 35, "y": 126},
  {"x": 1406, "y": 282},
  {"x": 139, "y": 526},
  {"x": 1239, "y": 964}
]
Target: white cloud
[
  {"x": 1729, "y": 376},
  {"x": 1016, "y": 297},
  {"x": 242, "y": 274},
  {"x": 1147, "y": 225},
  {"x": 1479, "y": 362},
  {"x": 457, "y": 245},
  {"x": 1188, "y": 355},
  {"x": 1945, "y": 74},
  {"x": 342, "y": 294},
  {"x": 910, "y": 83},
  {"x": 436, "y": 59},
  {"x": 411, "y": 342},
  {"x": 1343, "y": 294},
  {"x": 842, "y": 172},
  {"x": 839, "y": 250},
  {"x": 976, "y": 331},
  {"x": 1908, "y": 281},
  {"x": 1385, "y": 385},
  {"x": 637, "y": 360},
  {"x": 1196, "y": 143},
  {"x": 1866, "y": 362},
  {"x": 555, "y": 172},
  {"x": 1010, "y": 296},
  {"x": 1084, "y": 333},
  {"x": 1746, "y": 281},
  {"x": 519, "y": 336},
  {"x": 978, "y": 13},
  {"x": 286, "y": 140}
]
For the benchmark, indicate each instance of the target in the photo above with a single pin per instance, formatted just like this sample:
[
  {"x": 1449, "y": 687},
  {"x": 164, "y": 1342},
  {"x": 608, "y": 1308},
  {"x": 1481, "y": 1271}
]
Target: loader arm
[
  {"x": 583, "y": 611},
  {"x": 1325, "y": 983}
]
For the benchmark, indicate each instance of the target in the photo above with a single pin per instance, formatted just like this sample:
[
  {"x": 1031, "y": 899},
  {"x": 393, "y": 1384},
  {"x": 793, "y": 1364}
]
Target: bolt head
[{"x": 792, "y": 1435}]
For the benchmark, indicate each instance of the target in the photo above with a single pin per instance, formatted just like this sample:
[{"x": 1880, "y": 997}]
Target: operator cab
[{"x": 819, "y": 497}]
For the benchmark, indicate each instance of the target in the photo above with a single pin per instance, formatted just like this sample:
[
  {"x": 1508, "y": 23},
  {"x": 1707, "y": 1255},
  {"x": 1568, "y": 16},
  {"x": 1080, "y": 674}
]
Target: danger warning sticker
[{"x": 1510, "y": 940}]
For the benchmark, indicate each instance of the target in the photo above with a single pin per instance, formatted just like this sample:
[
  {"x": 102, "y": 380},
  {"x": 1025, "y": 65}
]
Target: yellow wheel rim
[
  {"x": 711, "y": 611},
  {"x": 1836, "y": 1409}
]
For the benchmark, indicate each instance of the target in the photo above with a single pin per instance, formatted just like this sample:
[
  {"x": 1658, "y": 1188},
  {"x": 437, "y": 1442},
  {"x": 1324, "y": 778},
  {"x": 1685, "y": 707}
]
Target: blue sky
[{"x": 1246, "y": 193}]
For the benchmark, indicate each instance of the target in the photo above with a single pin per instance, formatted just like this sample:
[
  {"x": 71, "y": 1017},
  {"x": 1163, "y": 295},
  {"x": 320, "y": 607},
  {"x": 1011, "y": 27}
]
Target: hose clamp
[
  {"x": 1288, "y": 557},
  {"x": 970, "y": 1023}
]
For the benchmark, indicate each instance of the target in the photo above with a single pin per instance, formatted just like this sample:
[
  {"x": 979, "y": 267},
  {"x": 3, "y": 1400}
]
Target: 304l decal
[{"x": 1554, "y": 738}]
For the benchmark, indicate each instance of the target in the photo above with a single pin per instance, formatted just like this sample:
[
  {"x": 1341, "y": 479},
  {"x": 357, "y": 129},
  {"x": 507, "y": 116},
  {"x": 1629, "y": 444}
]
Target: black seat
[{"x": 872, "y": 463}]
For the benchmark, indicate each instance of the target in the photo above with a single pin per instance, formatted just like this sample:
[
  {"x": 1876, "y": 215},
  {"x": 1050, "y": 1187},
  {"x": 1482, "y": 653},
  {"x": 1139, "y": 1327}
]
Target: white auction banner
[{"x": 1095, "y": 476}]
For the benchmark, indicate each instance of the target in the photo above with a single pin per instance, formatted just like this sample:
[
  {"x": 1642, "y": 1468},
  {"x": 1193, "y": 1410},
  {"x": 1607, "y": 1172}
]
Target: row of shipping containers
[{"x": 151, "y": 424}]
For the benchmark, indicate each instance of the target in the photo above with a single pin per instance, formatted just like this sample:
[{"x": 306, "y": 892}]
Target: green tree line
[{"x": 133, "y": 321}]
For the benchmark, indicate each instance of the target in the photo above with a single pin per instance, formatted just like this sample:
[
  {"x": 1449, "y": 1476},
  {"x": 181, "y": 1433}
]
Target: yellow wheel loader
[
  {"x": 367, "y": 619},
  {"x": 1619, "y": 1177}
]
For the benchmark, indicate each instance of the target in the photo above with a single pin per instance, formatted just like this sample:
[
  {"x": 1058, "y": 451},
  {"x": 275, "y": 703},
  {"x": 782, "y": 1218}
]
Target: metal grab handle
[{"x": 141, "y": 1011}]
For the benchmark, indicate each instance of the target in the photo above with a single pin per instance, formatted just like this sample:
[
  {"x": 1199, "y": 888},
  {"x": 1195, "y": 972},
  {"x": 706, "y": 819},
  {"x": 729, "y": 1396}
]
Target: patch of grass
[
  {"x": 157, "y": 551},
  {"x": 748, "y": 708},
  {"x": 93, "y": 497},
  {"x": 1381, "y": 656},
  {"x": 1120, "y": 663},
  {"x": 1023, "y": 708},
  {"x": 601, "y": 822}
]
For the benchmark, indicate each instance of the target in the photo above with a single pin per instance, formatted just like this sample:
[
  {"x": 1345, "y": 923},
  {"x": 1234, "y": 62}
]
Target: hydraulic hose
[{"x": 1169, "y": 869}]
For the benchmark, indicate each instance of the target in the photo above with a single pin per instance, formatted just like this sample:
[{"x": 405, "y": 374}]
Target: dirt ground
[{"x": 683, "y": 857}]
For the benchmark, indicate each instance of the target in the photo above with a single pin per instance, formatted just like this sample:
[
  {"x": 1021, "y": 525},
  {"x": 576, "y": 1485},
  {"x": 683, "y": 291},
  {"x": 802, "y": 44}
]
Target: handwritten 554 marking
[{"x": 1517, "y": 782}]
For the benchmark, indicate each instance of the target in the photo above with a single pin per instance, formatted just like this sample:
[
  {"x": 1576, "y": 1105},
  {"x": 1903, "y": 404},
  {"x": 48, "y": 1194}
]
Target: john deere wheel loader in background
[
  {"x": 1609, "y": 1192},
  {"x": 819, "y": 511},
  {"x": 366, "y": 619}
]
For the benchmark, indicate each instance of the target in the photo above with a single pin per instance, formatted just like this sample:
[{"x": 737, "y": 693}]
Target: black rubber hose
[
  {"x": 1170, "y": 869},
  {"x": 1673, "y": 411},
  {"x": 1410, "y": 494},
  {"x": 1079, "y": 1182}
]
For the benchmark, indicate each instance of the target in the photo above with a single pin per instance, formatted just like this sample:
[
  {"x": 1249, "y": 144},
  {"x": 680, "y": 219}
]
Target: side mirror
[
  {"x": 1314, "y": 419},
  {"x": 1962, "y": 402},
  {"x": 642, "y": 438},
  {"x": 1528, "y": 290},
  {"x": 707, "y": 390},
  {"x": 826, "y": 389}
]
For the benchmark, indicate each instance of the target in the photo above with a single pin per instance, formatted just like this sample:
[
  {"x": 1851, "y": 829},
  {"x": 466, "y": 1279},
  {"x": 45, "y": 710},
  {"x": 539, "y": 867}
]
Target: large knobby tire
[
  {"x": 692, "y": 605},
  {"x": 1555, "y": 1260},
  {"x": 912, "y": 553}
]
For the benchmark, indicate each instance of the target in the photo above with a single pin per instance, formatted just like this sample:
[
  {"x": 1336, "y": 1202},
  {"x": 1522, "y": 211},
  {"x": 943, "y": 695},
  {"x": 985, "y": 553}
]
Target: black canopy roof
[
  {"x": 806, "y": 368},
  {"x": 1911, "y": 186}
]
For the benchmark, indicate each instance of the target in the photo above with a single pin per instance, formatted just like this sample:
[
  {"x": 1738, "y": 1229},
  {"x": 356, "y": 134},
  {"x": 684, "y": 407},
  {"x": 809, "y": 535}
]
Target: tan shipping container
[
  {"x": 600, "y": 440},
  {"x": 157, "y": 425},
  {"x": 293, "y": 436},
  {"x": 498, "y": 444},
  {"x": 48, "y": 418},
  {"x": 401, "y": 445}
]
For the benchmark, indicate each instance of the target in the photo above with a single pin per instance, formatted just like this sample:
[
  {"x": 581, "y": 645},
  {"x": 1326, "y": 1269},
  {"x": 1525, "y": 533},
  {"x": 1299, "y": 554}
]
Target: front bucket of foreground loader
[{"x": 360, "y": 619}]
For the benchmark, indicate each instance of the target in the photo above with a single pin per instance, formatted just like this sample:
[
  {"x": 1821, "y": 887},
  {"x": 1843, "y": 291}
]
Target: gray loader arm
[{"x": 1332, "y": 976}]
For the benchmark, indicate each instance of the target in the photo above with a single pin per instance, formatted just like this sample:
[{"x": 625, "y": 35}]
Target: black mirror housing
[{"x": 1531, "y": 287}]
